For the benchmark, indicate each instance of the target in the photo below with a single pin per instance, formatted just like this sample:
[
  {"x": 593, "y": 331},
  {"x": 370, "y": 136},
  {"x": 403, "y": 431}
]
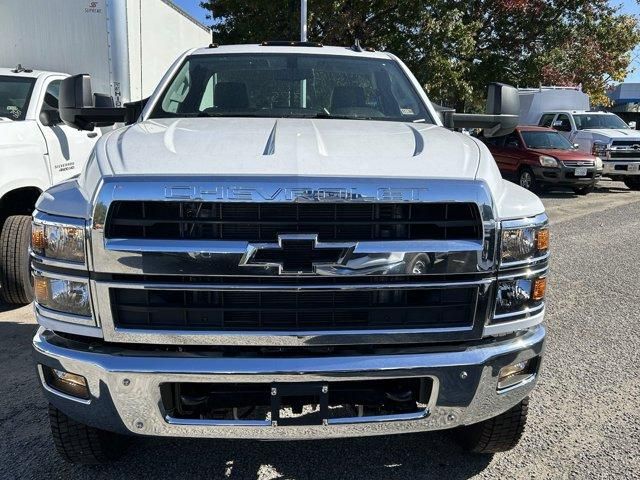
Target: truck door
[{"x": 68, "y": 149}]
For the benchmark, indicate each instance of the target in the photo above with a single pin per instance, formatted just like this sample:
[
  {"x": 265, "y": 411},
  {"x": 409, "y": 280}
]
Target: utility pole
[{"x": 303, "y": 20}]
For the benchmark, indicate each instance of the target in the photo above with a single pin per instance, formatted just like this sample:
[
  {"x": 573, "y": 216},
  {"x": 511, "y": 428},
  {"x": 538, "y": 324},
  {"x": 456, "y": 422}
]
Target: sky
[{"x": 628, "y": 6}]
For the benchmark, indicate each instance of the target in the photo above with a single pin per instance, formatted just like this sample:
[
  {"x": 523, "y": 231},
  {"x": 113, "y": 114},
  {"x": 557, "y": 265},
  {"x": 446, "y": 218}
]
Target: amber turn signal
[
  {"x": 542, "y": 239},
  {"x": 539, "y": 288},
  {"x": 41, "y": 289},
  {"x": 38, "y": 238}
]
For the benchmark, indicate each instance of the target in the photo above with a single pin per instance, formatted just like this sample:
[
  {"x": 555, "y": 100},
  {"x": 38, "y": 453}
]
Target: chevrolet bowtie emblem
[{"x": 296, "y": 254}]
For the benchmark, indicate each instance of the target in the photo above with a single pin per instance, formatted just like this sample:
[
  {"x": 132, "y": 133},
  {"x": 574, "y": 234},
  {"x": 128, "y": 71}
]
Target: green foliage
[{"x": 456, "y": 47}]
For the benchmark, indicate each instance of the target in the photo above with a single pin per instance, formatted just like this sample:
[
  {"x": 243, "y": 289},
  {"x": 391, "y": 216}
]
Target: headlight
[
  {"x": 60, "y": 242},
  {"x": 599, "y": 165},
  {"x": 547, "y": 161},
  {"x": 525, "y": 243},
  {"x": 519, "y": 295},
  {"x": 600, "y": 149},
  {"x": 62, "y": 295}
]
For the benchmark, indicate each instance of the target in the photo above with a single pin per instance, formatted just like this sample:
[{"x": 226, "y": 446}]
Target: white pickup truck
[
  {"x": 604, "y": 134},
  {"x": 288, "y": 243},
  {"x": 37, "y": 150}
]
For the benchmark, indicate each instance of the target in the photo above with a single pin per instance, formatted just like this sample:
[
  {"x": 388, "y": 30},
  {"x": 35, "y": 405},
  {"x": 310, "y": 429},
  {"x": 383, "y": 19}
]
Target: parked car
[
  {"x": 604, "y": 134},
  {"x": 538, "y": 157}
]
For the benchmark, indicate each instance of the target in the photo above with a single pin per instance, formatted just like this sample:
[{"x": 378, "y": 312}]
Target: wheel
[
  {"x": 497, "y": 434},
  {"x": 526, "y": 179},
  {"x": 632, "y": 183},
  {"x": 583, "y": 190},
  {"x": 79, "y": 443},
  {"x": 16, "y": 285}
]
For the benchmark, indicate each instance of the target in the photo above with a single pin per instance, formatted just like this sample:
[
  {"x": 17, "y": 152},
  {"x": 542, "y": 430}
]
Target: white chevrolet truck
[
  {"x": 287, "y": 242},
  {"x": 37, "y": 150}
]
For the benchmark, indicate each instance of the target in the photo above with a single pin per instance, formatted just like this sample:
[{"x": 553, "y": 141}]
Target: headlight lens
[
  {"x": 519, "y": 244},
  {"x": 61, "y": 295},
  {"x": 600, "y": 149},
  {"x": 547, "y": 161},
  {"x": 60, "y": 242},
  {"x": 520, "y": 295}
]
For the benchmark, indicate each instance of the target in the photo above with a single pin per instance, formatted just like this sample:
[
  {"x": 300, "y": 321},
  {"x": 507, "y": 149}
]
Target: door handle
[{"x": 92, "y": 134}]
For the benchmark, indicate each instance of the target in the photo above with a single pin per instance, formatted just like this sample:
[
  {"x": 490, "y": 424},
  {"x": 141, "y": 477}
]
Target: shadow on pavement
[{"x": 26, "y": 449}]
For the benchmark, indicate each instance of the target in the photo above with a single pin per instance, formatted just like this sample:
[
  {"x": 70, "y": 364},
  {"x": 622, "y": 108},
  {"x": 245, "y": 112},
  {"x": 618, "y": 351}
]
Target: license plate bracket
[
  {"x": 633, "y": 168},
  {"x": 304, "y": 393}
]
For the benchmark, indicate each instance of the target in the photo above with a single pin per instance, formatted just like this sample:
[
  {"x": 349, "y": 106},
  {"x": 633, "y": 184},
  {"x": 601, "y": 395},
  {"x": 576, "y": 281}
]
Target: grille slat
[
  {"x": 294, "y": 311},
  {"x": 255, "y": 222}
]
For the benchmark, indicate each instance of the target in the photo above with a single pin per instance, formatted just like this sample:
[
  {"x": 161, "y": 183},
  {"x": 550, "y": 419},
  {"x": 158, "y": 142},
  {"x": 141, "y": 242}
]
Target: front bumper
[
  {"x": 624, "y": 168},
  {"x": 565, "y": 176},
  {"x": 125, "y": 393}
]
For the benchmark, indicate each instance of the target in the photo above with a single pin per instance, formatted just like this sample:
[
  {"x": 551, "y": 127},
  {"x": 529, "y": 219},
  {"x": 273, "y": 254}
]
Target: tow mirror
[
  {"x": 50, "y": 118},
  {"x": 82, "y": 109},
  {"x": 501, "y": 117}
]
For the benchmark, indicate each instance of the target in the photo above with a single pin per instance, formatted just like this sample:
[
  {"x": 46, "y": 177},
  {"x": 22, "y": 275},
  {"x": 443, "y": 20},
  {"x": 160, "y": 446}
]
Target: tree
[{"x": 456, "y": 47}]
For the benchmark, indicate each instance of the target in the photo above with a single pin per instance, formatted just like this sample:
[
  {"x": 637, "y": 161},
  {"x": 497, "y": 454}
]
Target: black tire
[
  {"x": 632, "y": 183},
  {"x": 583, "y": 190},
  {"x": 497, "y": 434},
  {"x": 16, "y": 285},
  {"x": 527, "y": 180},
  {"x": 81, "y": 444}
]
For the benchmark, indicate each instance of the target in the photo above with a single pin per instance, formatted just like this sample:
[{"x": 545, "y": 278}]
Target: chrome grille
[
  {"x": 294, "y": 311},
  {"x": 263, "y": 222},
  {"x": 625, "y": 150}
]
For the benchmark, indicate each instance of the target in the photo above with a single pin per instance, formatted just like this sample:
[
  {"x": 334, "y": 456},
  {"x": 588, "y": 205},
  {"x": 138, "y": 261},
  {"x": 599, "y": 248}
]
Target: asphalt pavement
[{"x": 584, "y": 419}]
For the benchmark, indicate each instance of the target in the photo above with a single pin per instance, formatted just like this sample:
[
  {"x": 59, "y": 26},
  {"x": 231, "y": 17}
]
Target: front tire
[
  {"x": 632, "y": 183},
  {"x": 82, "y": 444},
  {"x": 16, "y": 285},
  {"x": 497, "y": 434},
  {"x": 527, "y": 180}
]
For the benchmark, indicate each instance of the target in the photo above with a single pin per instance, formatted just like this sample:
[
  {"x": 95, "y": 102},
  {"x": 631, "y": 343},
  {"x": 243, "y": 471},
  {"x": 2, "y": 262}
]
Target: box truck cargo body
[{"x": 125, "y": 45}]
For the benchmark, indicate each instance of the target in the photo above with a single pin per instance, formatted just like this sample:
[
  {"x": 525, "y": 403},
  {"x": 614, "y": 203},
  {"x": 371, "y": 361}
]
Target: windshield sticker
[
  {"x": 407, "y": 111},
  {"x": 14, "y": 111}
]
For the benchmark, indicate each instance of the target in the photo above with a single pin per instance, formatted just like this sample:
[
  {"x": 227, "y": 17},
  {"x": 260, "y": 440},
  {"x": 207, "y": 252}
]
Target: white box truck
[
  {"x": 604, "y": 134},
  {"x": 126, "y": 46}
]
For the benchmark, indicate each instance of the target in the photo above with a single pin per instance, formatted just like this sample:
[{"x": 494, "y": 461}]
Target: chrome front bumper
[
  {"x": 621, "y": 167},
  {"x": 125, "y": 393}
]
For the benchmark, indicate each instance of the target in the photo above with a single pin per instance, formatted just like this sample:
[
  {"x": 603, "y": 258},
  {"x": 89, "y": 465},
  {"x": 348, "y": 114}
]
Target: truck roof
[
  {"x": 310, "y": 50},
  {"x": 590, "y": 112},
  {"x": 10, "y": 71}
]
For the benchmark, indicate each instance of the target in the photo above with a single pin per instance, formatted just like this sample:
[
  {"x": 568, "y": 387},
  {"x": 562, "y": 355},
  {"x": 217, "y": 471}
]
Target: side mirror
[
  {"x": 632, "y": 124},
  {"x": 576, "y": 146},
  {"x": 134, "y": 110},
  {"x": 501, "y": 117},
  {"x": 50, "y": 118},
  {"x": 81, "y": 109}
]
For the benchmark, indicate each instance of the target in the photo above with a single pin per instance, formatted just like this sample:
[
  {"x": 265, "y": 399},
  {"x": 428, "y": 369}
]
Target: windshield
[
  {"x": 541, "y": 139},
  {"x": 599, "y": 121},
  {"x": 14, "y": 96},
  {"x": 291, "y": 85}
]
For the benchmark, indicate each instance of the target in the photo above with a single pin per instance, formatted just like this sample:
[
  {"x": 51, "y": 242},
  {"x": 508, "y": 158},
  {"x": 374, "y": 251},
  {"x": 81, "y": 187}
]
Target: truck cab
[{"x": 37, "y": 150}]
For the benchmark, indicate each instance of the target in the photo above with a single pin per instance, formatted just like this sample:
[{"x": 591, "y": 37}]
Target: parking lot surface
[{"x": 584, "y": 420}]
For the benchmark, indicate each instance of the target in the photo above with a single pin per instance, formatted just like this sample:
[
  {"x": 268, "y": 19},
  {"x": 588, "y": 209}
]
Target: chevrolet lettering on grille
[{"x": 296, "y": 254}]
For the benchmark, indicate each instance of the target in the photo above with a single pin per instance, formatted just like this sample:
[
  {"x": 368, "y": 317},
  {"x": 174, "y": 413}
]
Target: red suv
[{"x": 535, "y": 157}]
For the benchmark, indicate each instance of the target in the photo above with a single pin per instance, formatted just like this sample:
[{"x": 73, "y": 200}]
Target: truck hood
[
  {"x": 304, "y": 147},
  {"x": 621, "y": 134}
]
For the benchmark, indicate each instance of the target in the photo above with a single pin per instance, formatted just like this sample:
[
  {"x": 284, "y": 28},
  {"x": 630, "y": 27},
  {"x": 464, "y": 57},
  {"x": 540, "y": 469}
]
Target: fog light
[
  {"x": 66, "y": 382},
  {"x": 514, "y": 374}
]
